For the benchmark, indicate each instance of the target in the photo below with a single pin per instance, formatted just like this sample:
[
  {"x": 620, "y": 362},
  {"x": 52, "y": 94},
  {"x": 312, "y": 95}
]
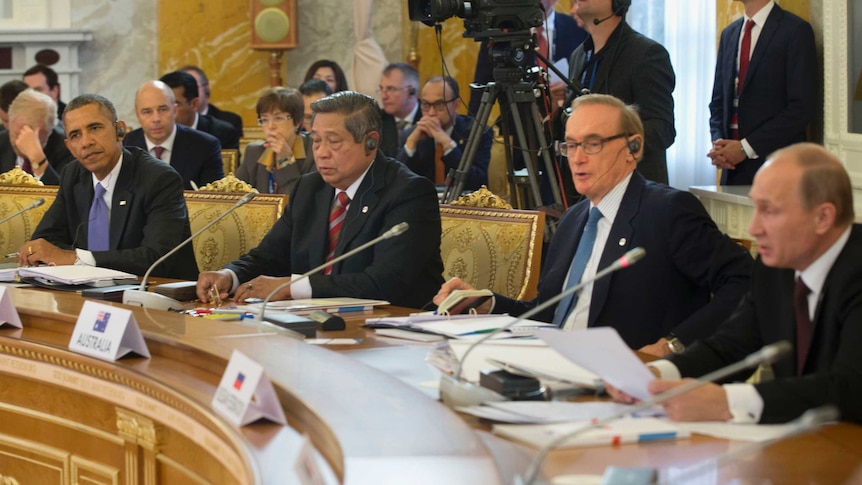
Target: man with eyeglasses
[
  {"x": 435, "y": 145},
  {"x": 355, "y": 195},
  {"x": 195, "y": 155},
  {"x": 186, "y": 93},
  {"x": 692, "y": 277},
  {"x": 399, "y": 90}
]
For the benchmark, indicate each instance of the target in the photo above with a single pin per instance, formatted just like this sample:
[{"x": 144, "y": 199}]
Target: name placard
[
  {"x": 107, "y": 332},
  {"x": 8, "y": 312},
  {"x": 245, "y": 394}
]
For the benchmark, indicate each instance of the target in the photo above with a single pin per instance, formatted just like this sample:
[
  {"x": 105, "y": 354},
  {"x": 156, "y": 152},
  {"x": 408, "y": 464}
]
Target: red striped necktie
[{"x": 336, "y": 220}]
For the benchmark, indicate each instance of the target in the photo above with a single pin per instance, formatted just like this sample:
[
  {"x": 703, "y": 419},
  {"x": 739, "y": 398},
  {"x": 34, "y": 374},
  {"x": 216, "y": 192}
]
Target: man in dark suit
[
  {"x": 204, "y": 106},
  {"x": 776, "y": 96},
  {"x": 618, "y": 61},
  {"x": 316, "y": 226},
  {"x": 143, "y": 208},
  {"x": 806, "y": 288},
  {"x": 185, "y": 90},
  {"x": 195, "y": 155},
  {"x": 692, "y": 276},
  {"x": 45, "y": 80},
  {"x": 33, "y": 142},
  {"x": 8, "y": 92},
  {"x": 435, "y": 145},
  {"x": 399, "y": 95}
]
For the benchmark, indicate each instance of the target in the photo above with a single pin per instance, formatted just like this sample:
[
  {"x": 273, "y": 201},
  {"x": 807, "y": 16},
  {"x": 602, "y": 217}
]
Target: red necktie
[
  {"x": 543, "y": 45},
  {"x": 803, "y": 323},
  {"x": 336, "y": 220},
  {"x": 25, "y": 166},
  {"x": 159, "y": 151},
  {"x": 744, "y": 55}
]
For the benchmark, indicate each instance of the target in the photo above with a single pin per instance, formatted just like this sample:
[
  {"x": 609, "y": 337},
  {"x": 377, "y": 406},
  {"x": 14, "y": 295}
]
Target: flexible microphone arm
[
  {"x": 769, "y": 353},
  {"x": 396, "y": 230},
  {"x": 245, "y": 200},
  {"x": 573, "y": 85},
  {"x": 625, "y": 261},
  {"x": 35, "y": 204}
]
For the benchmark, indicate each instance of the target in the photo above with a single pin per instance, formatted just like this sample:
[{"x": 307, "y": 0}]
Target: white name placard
[
  {"x": 245, "y": 394},
  {"x": 8, "y": 312},
  {"x": 107, "y": 332}
]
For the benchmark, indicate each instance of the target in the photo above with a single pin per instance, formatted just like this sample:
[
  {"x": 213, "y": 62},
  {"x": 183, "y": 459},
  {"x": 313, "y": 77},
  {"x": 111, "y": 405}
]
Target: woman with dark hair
[
  {"x": 273, "y": 166},
  {"x": 328, "y": 71}
]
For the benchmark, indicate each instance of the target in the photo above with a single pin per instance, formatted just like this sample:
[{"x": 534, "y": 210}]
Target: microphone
[
  {"x": 767, "y": 354},
  {"x": 36, "y": 203},
  {"x": 597, "y": 21},
  {"x": 396, "y": 230},
  {"x": 142, "y": 298},
  {"x": 811, "y": 420},
  {"x": 455, "y": 391}
]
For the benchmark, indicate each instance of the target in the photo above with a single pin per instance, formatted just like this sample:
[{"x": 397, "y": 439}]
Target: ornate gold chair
[
  {"x": 237, "y": 233},
  {"x": 229, "y": 157},
  {"x": 14, "y": 197},
  {"x": 497, "y": 249},
  {"x": 228, "y": 184}
]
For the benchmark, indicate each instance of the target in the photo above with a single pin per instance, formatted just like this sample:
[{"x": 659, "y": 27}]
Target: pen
[
  {"x": 12, "y": 255},
  {"x": 228, "y": 311},
  {"x": 477, "y": 332}
]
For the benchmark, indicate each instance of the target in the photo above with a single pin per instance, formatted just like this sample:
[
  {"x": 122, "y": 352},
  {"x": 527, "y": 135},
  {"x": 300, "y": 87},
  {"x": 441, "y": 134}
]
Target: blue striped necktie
[
  {"x": 579, "y": 264},
  {"x": 98, "y": 236}
]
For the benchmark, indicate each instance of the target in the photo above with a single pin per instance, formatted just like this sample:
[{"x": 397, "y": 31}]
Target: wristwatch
[{"x": 675, "y": 344}]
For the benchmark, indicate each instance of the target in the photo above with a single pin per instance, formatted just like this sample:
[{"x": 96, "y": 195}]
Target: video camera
[{"x": 483, "y": 19}]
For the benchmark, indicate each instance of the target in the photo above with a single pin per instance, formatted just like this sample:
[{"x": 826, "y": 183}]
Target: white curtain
[
  {"x": 688, "y": 33},
  {"x": 368, "y": 57}
]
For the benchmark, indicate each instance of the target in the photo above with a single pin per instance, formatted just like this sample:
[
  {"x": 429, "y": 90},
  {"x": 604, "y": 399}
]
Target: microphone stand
[
  {"x": 33, "y": 205},
  {"x": 469, "y": 394},
  {"x": 143, "y": 298},
  {"x": 766, "y": 354}
]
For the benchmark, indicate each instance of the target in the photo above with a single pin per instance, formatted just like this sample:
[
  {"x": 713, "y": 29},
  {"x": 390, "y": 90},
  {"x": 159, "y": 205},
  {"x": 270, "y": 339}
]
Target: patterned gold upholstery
[
  {"x": 17, "y": 231},
  {"x": 493, "y": 248},
  {"x": 237, "y": 233},
  {"x": 228, "y": 159},
  {"x": 228, "y": 183}
]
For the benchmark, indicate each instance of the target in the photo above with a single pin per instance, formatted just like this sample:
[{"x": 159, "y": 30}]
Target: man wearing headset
[
  {"x": 434, "y": 146},
  {"x": 618, "y": 61},
  {"x": 399, "y": 97},
  {"x": 116, "y": 208},
  {"x": 355, "y": 196},
  {"x": 692, "y": 277}
]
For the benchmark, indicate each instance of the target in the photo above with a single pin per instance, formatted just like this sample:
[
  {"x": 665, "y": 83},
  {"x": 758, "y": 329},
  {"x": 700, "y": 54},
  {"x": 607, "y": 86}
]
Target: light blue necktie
[
  {"x": 579, "y": 264},
  {"x": 98, "y": 236}
]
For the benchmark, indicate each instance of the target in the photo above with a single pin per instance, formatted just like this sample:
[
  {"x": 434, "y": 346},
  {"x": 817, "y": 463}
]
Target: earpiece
[
  {"x": 370, "y": 145},
  {"x": 411, "y": 91},
  {"x": 121, "y": 131},
  {"x": 634, "y": 146}
]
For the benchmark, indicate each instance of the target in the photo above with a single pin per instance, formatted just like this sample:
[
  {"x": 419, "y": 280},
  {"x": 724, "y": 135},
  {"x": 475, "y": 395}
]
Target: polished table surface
[{"x": 376, "y": 427}]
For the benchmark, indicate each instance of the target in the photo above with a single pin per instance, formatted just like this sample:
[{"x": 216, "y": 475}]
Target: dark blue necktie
[
  {"x": 99, "y": 226},
  {"x": 579, "y": 264}
]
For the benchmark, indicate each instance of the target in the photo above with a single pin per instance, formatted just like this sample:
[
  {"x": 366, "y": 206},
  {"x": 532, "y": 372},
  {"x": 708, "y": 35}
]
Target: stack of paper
[
  {"x": 545, "y": 412},
  {"x": 626, "y": 430},
  {"x": 73, "y": 274},
  {"x": 469, "y": 327}
]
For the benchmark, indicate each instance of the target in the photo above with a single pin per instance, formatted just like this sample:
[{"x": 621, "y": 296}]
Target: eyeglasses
[
  {"x": 390, "y": 90},
  {"x": 591, "y": 146},
  {"x": 263, "y": 120},
  {"x": 439, "y": 106}
]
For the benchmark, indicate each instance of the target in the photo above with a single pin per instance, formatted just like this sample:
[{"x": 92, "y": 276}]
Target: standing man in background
[
  {"x": 765, "y": 91},
  {"x": 186, "y": 93},
  {"x": 45, "y": 80},
  {"x": 205, "y": 108}
]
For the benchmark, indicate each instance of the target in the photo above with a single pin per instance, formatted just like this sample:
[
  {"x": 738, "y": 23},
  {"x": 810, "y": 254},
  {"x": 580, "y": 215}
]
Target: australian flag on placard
[
  {"x": 102, "y": 322},
  {"x": 237, "y": 384}
]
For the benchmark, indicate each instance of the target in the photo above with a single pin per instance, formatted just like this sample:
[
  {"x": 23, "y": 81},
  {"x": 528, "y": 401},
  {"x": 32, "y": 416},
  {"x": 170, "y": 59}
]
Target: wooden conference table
[{"x": 67, "y": 418}]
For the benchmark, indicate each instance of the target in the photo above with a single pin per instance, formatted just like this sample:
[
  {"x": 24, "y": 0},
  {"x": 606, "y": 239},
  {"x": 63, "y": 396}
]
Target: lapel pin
[
  {"x": 622, "y": 241},
  {"x": 122, "y": 202},
  {"x": 364, "y": 209}
]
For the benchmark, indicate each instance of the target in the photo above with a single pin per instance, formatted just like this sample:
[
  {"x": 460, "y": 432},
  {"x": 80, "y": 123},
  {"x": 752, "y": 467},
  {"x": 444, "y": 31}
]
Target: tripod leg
[
  {"x": 489, "y": 96},
  {"x": 550, "y": 169},
  {"x": 530, "y": 155}
]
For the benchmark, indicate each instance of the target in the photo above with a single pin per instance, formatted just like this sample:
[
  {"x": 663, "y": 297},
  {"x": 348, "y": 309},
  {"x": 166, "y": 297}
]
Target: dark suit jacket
[
  {"x": 196, "y": 155},
  {"x": 56, "y": 153},
  {"x": 148, "y": 217},
  {"x": 405, "y": 270},
  {"x": 637, "y": 70},
  {"x": 779, "y": 94},
  {"x": 227, "y": 135},
  {"x": 832, "y": 369},
  {"x": 689, "y": 282},
  {"x": 256, "y": 174},
  {"x": 391, "y": 140},
  {"x": 567, "y": 37},
  {"x": 234, "y": 119},
  {"x": 422, "y": 162}
]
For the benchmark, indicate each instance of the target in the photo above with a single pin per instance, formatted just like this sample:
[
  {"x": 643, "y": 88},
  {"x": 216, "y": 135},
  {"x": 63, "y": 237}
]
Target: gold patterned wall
[{"x": 215, "y": 35}]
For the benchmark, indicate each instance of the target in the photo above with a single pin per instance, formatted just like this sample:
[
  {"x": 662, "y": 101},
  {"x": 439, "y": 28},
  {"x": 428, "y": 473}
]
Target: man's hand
[
  {"x": 659, "y": 349},
  {"x": 558, "y": 94},
  {"x": 432, "y": 126},
  {"x": 220, "y": 279},
  {"x": 726, "y": 154},
  {"x": 458, "y": 284},
  {"x": 618, "y": 395},
  {"x": 30, "y": 146},
  {"x": 261, "y": 287},
  {"x": 706, "y": 403},
  {"x": 41, "y": 251}
]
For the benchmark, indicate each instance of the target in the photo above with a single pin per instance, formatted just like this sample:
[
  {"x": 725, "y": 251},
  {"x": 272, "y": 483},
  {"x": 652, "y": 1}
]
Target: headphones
[
  {"x": 411, "y": 91},
  {"x": 634, "y": 146},
  {"x": 121, "y": 132},
  {"x": 370, "y": 144},
  {"x": 620, "y": 7}
]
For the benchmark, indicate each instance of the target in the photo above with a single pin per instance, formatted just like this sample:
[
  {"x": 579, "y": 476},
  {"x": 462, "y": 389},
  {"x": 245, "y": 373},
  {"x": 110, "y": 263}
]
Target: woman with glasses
[{"x": 274, "y": 165}]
